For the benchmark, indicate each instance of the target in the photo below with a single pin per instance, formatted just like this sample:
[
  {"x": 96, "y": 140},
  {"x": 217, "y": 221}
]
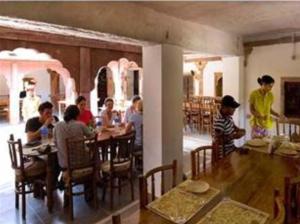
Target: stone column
[
  {"x": 85, "y": 73},
  {"x": 163, "y": 94}
]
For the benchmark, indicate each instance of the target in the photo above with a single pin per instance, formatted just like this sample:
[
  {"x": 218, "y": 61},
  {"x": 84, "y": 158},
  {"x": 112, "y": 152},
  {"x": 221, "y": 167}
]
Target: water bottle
[{"x": 44, "y": 134}]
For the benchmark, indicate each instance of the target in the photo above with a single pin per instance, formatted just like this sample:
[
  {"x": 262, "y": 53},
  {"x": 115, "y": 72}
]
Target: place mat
[
  {"x": 232, "y": 212},
  {"x": 180, "y": 206}
]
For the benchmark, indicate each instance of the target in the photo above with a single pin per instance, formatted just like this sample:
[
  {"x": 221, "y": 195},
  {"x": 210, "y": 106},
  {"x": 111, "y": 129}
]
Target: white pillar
[
  {"x": 233, "y": 84},
  {"x": 14, "y": 100},
  {"x": 163, "y": 94}
]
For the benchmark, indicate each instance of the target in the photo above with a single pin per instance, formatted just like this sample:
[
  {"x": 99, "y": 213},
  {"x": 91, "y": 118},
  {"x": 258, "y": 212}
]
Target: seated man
[
  {"x": 225, "y": 131},
  {"x": 34, "y": 125},
  {"x": 130, "y": 110}
]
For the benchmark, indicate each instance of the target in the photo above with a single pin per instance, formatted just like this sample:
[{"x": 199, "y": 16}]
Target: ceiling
[{"x": 242, "y": 18}]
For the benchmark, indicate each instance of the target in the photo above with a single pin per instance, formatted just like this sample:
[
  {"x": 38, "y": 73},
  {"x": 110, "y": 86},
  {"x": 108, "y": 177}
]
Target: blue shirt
[{"x": 137, "y": 120}]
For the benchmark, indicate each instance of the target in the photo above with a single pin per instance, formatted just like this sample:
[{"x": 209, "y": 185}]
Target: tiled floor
[{"x": 36, "y": 209}]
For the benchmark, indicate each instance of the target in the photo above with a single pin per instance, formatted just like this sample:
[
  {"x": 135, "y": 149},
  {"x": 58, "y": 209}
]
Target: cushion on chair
[
  {"x": 78, "y": 173},
  {"x": 105, "y": 166},
  {"x": 32, "y": 169}
]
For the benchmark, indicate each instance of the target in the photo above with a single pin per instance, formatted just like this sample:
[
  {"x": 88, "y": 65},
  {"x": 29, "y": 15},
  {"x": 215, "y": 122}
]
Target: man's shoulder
[{"x": 32, "y": 120}]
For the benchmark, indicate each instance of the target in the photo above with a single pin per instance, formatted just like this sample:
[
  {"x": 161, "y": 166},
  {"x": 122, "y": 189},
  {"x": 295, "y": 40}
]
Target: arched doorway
[{"x": 14, "y": 65}]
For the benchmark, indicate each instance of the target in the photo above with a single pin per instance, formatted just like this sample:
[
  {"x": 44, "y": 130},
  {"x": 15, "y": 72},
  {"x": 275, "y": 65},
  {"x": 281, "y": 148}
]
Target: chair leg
[
  {"x": 119, "y": 185},
  {"x": 16, "y": 195},
  {"x": 111, "y": 192},
  {"x": 70, "y": 192},
  {"x": 132, "y": 187},
  {"x": 23, "y": 201},
  {"x": 95, "y": 196}
]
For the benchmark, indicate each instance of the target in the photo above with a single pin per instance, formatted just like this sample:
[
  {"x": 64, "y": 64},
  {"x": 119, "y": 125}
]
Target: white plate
[
  {"x": 197, "y": 187},
  {"x": 256, "y": 142}
]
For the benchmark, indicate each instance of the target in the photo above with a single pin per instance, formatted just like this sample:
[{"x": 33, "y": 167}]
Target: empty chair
[
  {"x": 202, "y": 158},
  {"x": 116, "y": 164},
  {"x": 27, "y": 172},
  {"x": 279, "y": 210},
  {"x": 116, "y": 219},
  {"x": 81, "y": 170},
  {"x": 143, "y": 184},
  {"x": 292, "y": 199},
  {"x": 288, "y": 127}
]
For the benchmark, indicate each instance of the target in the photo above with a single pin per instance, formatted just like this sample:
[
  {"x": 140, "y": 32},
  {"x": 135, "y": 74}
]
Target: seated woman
[
  {"x": 70, "y": 128},
  {"x": 130, "y": 110},
  {"x": 136, "y": 123},
  {"x": 108, "y": 115},
  {"x": 85, "y": 115},
  {"x": 225, "y": 131}
]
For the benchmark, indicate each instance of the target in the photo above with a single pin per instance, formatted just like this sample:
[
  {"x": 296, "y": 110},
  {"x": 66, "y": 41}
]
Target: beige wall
[
  {"x": 128, "y": 20},
  {"x": 274, "y": 60}
]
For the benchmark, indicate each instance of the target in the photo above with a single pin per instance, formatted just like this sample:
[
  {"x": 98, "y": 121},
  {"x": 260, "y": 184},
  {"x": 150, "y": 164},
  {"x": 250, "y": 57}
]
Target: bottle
[{"x": 44, "y": 135}]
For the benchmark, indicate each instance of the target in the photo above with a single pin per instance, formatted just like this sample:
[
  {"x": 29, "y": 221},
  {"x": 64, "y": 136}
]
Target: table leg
[{"x": 50, "y": 181}]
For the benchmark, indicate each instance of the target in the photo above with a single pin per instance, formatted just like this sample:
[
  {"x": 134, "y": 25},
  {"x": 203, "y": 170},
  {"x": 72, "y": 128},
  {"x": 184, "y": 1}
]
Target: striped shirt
[{"x": 225, "y": 126}]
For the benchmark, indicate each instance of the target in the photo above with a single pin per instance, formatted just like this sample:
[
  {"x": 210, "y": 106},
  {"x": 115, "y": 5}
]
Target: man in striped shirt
[{"x": 225, "y": 131}]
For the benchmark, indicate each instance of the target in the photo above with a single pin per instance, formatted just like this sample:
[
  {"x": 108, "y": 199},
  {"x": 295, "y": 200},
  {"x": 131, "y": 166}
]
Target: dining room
[{"x": 153, "y": 112}]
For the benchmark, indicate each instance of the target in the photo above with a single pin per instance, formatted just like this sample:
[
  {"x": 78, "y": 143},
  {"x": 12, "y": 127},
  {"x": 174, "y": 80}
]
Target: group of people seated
[{"x": 78, "y": 120}]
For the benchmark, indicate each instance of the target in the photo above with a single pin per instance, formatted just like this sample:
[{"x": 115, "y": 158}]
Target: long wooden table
[{"x": 249, "y": 179}]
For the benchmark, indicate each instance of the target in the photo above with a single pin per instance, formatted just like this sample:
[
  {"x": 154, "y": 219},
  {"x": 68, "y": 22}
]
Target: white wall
[
  {"x": 209, "y": 76},
  {"x": 274, "y": 60},
  {"x": 3, "y": 86}
]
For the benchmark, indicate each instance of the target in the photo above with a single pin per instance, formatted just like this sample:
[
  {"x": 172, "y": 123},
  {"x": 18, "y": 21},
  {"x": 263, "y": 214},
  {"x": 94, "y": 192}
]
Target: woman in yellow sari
[{"x": 261, "y": 101}]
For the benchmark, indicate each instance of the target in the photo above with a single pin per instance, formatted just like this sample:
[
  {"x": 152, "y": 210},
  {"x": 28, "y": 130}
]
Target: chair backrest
[
  {"x": 288, "y": 127},
  {"x": 279, "y": 210},
  {"x": 292, "y": 198},
  {"x": 201, "y": 158},
  {"x": 143, "y": 183},
  {"x": 121, "y": 149},
  {"x": 81, "y": 153},
  {"x": 16, "y": 154},
  {"x": 116, "y": 219}
]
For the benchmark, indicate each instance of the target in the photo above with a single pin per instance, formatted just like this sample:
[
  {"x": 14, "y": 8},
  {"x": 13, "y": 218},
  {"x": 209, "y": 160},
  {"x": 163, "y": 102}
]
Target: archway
[
  {"x": 15, "y": 64},
  {"x": 120, "y": 80}
]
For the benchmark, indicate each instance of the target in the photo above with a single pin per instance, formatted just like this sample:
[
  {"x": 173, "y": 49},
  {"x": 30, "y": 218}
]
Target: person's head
[
  {"x": 135, "y": 99},
  {"x": 71, "y": 113},
  {"x": 109, "y": 103},
  {"x": 228, "y": 105},
  {"x": 30, "y": 90},
  {"x": 45, "y": 110},
  {"x": 139, "y": 105},
  {"x": 266, "y": 82},
  {"x": 81, "y": 103}
]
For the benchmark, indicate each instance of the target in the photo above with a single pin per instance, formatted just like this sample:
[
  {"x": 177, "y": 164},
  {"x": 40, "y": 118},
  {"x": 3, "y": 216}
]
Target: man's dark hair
[
  {"x": 79, "y": 99},
  {"x": 44, "y": 106},
  {"x": 71, "y": 113},
  {"x": 135, "y": 99}
]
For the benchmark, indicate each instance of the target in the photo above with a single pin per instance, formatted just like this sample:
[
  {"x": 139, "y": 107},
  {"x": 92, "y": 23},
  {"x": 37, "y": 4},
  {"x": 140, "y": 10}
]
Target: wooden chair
[
  {"x": 279, "y": 210},
  {"x": 27, "y": 173},
  {"x": 288, "y": 127},
  {"x": 201, "y": 158},
  {"x": 117, "y": 165},
  {"x": 292, "y": 199},
  {"x": 143, "y": 184},
  {"x": 82, "y": 169},
  {"x": 116, "y": 219}
]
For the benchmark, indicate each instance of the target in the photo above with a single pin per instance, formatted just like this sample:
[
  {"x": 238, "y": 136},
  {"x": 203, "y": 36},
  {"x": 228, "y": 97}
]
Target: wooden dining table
[{"x": 249, "y": 178}]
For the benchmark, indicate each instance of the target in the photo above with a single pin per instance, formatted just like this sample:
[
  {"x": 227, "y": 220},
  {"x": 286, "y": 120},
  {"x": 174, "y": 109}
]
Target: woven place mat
[
  {"x": 232, "y": 212},
  {"x": 264, "y": 149},
  {"x": 180, "y": 206}
]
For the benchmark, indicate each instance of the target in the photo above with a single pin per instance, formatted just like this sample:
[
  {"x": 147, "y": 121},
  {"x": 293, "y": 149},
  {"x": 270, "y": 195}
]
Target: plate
[
  {"x": 256, "y": 142},
  {"x": 288, "y": 152},
  {"x": 197, "y": 187}
]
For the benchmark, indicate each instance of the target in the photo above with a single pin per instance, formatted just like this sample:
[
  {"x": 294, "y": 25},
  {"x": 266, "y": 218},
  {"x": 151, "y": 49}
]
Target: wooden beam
[
  {"x": 280, "y": 40},
  {"x": 216, "y": 58},
  {"x": 41, "y": 37}
]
